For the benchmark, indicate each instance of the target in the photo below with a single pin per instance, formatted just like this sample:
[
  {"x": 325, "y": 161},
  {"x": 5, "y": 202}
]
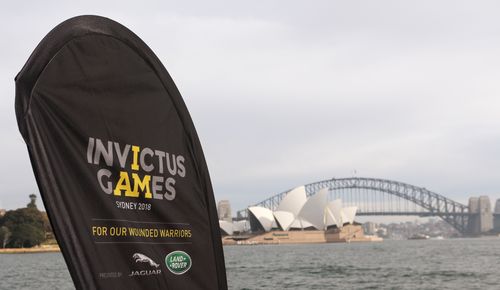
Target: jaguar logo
[{"x": 141, "y": 258}]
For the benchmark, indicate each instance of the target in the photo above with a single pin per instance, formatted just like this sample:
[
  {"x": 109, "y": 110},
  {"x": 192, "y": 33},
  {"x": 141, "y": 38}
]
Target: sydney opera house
[{"x": 298, "y": 218}]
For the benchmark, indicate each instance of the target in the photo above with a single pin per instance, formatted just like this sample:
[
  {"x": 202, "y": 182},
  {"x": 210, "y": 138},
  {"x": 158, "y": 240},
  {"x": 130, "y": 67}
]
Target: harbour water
[{"x": 416, "y": 264}]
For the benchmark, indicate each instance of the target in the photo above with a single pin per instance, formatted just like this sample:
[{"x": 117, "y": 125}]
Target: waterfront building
[
  {"x": 297, "y": 212},
  {"x": 224, "y": 211},
  {"x": 370, "y": 228},
  {"x": 297, "y": 219}
]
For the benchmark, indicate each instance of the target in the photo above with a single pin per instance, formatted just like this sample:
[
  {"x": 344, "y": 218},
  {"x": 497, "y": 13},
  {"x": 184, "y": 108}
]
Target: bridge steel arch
[{"x": 455, "y": 213}]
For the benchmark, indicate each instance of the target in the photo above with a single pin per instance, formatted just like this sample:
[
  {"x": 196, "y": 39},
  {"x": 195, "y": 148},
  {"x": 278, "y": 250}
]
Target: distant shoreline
[{"x": 41, "y": 249}]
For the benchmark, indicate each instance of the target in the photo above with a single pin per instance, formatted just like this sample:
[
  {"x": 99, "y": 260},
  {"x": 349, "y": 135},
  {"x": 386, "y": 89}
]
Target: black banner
[{"x": 118, "y": 161}]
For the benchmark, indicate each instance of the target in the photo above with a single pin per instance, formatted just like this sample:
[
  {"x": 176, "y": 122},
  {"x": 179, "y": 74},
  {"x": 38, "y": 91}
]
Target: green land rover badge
[{"x": 178, "y": 262}]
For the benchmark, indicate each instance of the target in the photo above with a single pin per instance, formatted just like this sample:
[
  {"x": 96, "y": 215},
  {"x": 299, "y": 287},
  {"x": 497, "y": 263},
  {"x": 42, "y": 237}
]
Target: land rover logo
[{"x": 178, "y": 262}]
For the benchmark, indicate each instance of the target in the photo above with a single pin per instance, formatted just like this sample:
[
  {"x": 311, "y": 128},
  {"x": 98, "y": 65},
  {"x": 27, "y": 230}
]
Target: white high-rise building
[{"x": 224, "y": 211}]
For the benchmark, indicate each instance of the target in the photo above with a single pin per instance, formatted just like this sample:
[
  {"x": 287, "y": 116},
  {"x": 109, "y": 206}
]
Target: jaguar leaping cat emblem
[{"x": 141, "y": 258}]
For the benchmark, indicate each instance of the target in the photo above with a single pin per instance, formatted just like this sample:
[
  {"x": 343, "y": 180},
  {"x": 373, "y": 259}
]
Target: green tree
[
  {"x": 47, "y": 227},
  {"x": 26, "y": 226},
  {"x": 5, "y": 235}
]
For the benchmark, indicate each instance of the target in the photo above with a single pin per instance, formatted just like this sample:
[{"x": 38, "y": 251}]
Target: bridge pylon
[{"x": 480, "y": 215}]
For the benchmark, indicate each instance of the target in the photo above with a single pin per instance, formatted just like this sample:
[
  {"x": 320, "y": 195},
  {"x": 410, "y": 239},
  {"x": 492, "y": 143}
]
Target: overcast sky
[{"x": 284, "y": 93}]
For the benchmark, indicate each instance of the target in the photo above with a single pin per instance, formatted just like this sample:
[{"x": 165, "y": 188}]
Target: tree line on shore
[{"x": 24, "y": 227}]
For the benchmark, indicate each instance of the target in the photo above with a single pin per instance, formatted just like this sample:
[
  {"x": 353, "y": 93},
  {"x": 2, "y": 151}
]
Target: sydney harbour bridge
[{"x": 381, "y": 197}]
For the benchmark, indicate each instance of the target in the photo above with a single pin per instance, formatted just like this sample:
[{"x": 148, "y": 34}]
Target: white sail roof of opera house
[
  {"x": 293, "y": 201},
  {"x": 350, "y": 213},
  {"x": 287, "y": 212},
  {"x": 264, "y": 216},
  {"x": 297, "y": 211},
  {"x": 334, "y": 213},
  {"x": 313, "y": 210},
  {"x": 337, "y": 215},
  {"x": 227, "y": 227},
  {"x": 284, "y": 219},
  {"x": 299, "y": 223}
]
